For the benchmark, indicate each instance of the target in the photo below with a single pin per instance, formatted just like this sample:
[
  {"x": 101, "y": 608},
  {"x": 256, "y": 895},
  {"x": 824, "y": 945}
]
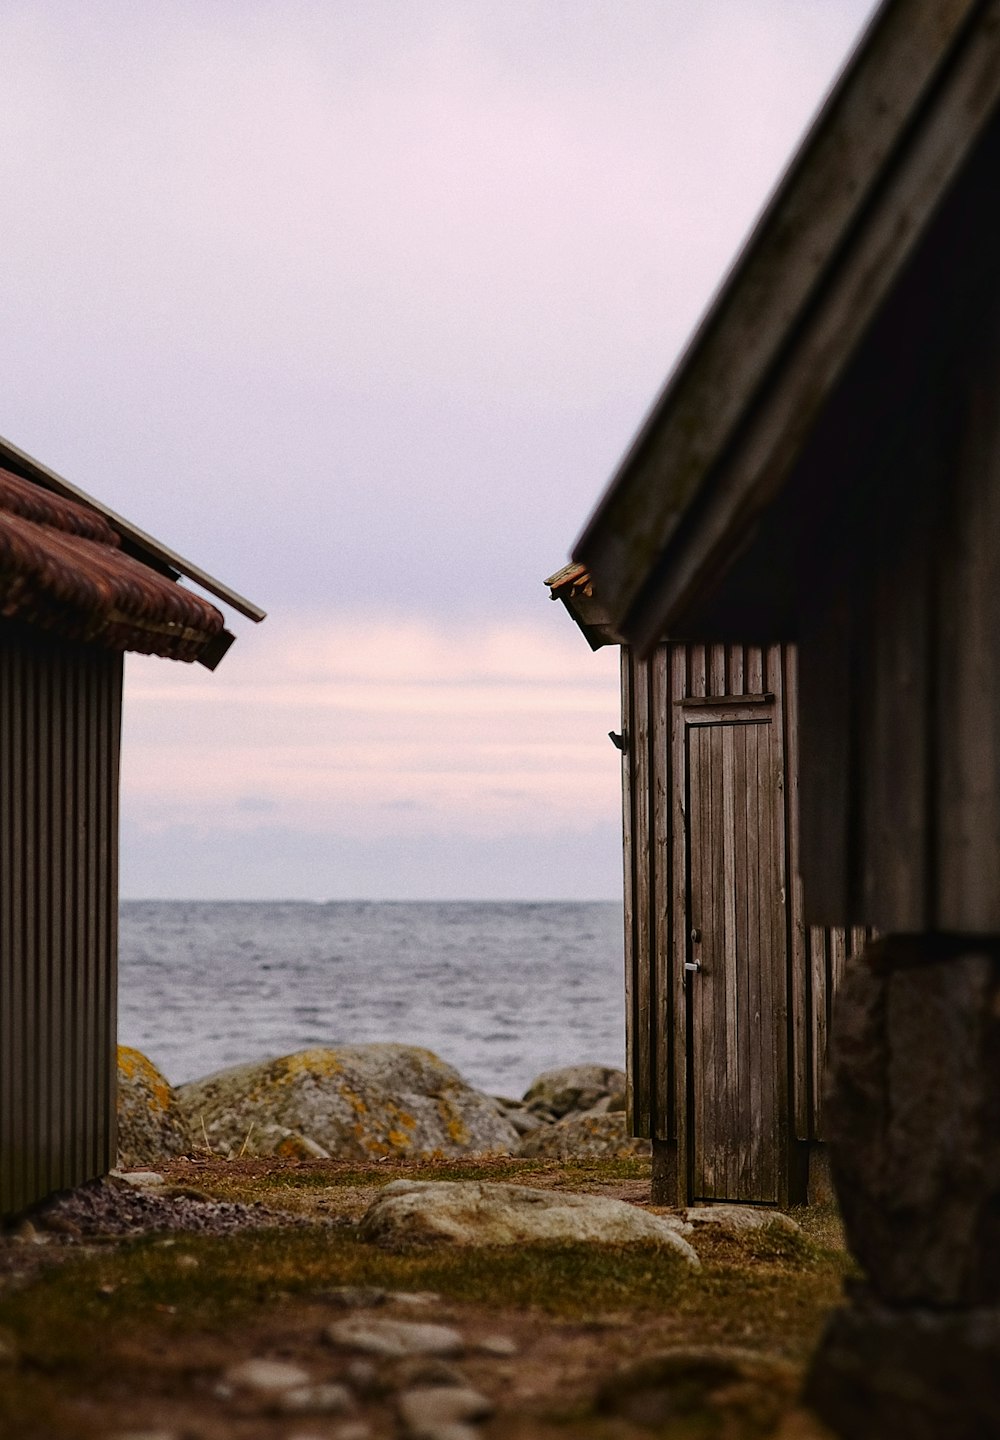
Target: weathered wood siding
[
  {"x": 60, "y": 722},
  {"x": 901, "y": 646},
  {"x": 727, "y": 1063}
]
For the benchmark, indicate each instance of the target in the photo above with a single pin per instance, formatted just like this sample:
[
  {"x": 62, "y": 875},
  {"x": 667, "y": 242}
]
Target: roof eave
[
  {"x": 721, "y": 440},
  {"x": 31, "y": 469}
]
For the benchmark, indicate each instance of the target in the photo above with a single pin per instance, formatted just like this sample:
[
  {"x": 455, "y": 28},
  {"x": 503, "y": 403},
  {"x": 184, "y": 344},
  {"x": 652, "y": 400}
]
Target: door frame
[{"x": 690, "y": 712}]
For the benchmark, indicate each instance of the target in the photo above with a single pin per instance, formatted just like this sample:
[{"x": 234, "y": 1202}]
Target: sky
[{"x": 357, "y": 305}]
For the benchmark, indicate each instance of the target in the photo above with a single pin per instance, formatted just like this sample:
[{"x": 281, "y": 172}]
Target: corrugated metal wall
[
  {"x": 654, "y": 692},
  {"x": 60, "y": 728}
]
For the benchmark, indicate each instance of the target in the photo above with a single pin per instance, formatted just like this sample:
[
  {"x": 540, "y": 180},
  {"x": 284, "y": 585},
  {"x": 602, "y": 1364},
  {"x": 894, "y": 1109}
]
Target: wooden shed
[
  {"x": 824, "y": 469},
  {"x": 79, "y": 586},
  {"x": 728, "y": 991}
]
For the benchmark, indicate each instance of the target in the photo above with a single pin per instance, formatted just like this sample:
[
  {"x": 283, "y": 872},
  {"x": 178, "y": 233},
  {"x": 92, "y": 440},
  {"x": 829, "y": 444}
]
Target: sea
[{"x": 502, "y": 991}]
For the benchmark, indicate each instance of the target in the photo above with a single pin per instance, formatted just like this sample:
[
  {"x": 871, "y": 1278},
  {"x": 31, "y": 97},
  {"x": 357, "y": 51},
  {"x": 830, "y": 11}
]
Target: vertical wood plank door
[{"x": 736, "y": 998}]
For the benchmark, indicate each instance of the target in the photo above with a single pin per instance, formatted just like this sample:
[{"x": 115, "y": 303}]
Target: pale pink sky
[{"x": 357, "y": 304}]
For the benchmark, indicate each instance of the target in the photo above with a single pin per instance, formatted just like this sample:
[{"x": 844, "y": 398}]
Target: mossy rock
[
  {"x": 582, "y": 1137},
  {"x": 357, "y": 1102},
  {"x": 150, "y": 1124},
  {"x": 577, "y": 1087}
]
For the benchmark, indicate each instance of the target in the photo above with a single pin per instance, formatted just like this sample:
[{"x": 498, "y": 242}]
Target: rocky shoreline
[{"x": 363, "y": 1103}]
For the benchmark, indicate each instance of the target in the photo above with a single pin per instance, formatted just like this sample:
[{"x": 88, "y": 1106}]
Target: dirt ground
[{"x": 106, "y": 1335}]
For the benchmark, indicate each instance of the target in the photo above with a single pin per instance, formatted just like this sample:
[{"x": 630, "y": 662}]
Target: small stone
[
  {"x": 418, "y": 1373},
  {"x": 266, "y": 1375},
  {"x": 187, "y": 1262},
  {"x": 222, "y": 1391},
  {"x": 740, "y": 1217},
  {"x": 139, "y": 1179},
  {"x": 499, "y": 1345},
  {"x": 413, "y": 1297},
  {"x": 427, "y": 1412},
  {"x": 394, "y": 1338},
  {"x": 354, "y": 1297},
  {"x": 315, "y": 1400}
]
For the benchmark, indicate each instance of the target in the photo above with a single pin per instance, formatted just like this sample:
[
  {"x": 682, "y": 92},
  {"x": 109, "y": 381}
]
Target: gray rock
[
  {"x": 394, "y": 1339},
  {"x": 576, "y": 1087},
  {"x": 583, "y": 1136},
  {"x": 268, "y": 1376},
  {"x": 426, "y": 1412},
  {"x": 471, "y": 1212},
  {"x": 677, "y": 1387},
  {"x": 315, "y": 1400},
  {"x": 500, "y": 1345},
  {"x": 150, "y": 1123},
  {"x": 356, "y": 1101},
  {"x": 139, "y": 1179},
  {"x": 913, "y": 1116},
  {"x": 524, "y": 1121},
  {"x": 288, "y": 1144},
  {"x": 741, "y": 1217}
]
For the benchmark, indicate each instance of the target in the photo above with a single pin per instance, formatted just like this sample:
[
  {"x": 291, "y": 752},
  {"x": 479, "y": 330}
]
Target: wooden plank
[
  {"x": 697, "y": 671},
  {"x": 779, "y": 912},
  {"x": 661, "y": 1006},
  {"x": 826, "y": 776},
  {"x": 641, "y": 814},
  {"x": 821, "y": 989},
  {"x": 717, "y": 671},
  {"x": 731, "y": 947},
  {"x": 968, "y": 761},
  {"x": 743, "y": 903},
  {"x": 680, "y": 918},
  {"x": 801, "y": 997},
  {"x": 628, "y": 851},
  {"x": 856, "y": 265}
]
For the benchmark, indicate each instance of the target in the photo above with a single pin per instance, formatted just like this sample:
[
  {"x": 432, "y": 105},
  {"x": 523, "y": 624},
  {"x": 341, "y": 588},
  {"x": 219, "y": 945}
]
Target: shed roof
[
  {"x": 62, "y": 567},
  {"x": 723, "y": 438}
]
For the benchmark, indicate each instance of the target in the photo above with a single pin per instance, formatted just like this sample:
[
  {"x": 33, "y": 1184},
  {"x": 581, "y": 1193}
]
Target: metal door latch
[{"x": 692, "y": 966}]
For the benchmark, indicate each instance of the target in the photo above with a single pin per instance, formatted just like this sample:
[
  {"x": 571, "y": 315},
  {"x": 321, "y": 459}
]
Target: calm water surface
[{"x": 501, "y": 991}]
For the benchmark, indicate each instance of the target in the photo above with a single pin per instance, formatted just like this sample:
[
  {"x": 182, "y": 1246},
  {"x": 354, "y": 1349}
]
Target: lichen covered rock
[
  {"x": 583, "y": 1136},
  {"x": 151, "y": 1126},
  {"x": 482, "y": 1213},
  {"x": 356, "y": 1102},
  {"x": 577, "y": 1087}
]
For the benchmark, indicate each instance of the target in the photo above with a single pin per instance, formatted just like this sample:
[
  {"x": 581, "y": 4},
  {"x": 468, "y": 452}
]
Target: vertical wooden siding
[
  {"x": 60, "y": 722},
  {"x": 657, "y": 885}
]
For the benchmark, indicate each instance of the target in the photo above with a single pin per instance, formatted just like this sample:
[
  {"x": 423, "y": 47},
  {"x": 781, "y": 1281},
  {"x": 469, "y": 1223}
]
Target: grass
[{"x": 82, "y": 1325}]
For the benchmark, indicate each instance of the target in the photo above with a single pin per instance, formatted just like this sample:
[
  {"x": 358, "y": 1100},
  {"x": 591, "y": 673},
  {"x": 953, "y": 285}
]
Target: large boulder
[
  {"x": 356, "y": 1102},
  {"x": 482, "y": 1213},
  {"x": 151, "y": 1125},
  {"x": 579, "y": 1137},
  {"x": 577, "y": 1087}
]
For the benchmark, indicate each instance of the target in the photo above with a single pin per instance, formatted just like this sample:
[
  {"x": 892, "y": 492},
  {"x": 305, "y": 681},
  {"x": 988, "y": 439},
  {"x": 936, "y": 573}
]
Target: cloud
[{"x": 371, "y": 730}]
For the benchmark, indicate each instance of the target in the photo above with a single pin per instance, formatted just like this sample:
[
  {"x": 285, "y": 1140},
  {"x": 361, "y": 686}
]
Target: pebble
[
  {"x": 413, "y": 1297},
  {"x": 430, "y": 1411},
  {"x": 394, "y": 1339},
  {"x": 267, "y": 1375},
  {"x": 315, "y": 1400},
  {"x": 500, "y": 1345},
  {"x": 187, "y": 1262},
  {"x": 139, "y": 1179}
]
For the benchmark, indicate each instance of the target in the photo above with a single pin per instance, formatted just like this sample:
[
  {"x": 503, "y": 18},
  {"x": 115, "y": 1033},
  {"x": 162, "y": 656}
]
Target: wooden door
[{"x": 736, "y": 996}]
